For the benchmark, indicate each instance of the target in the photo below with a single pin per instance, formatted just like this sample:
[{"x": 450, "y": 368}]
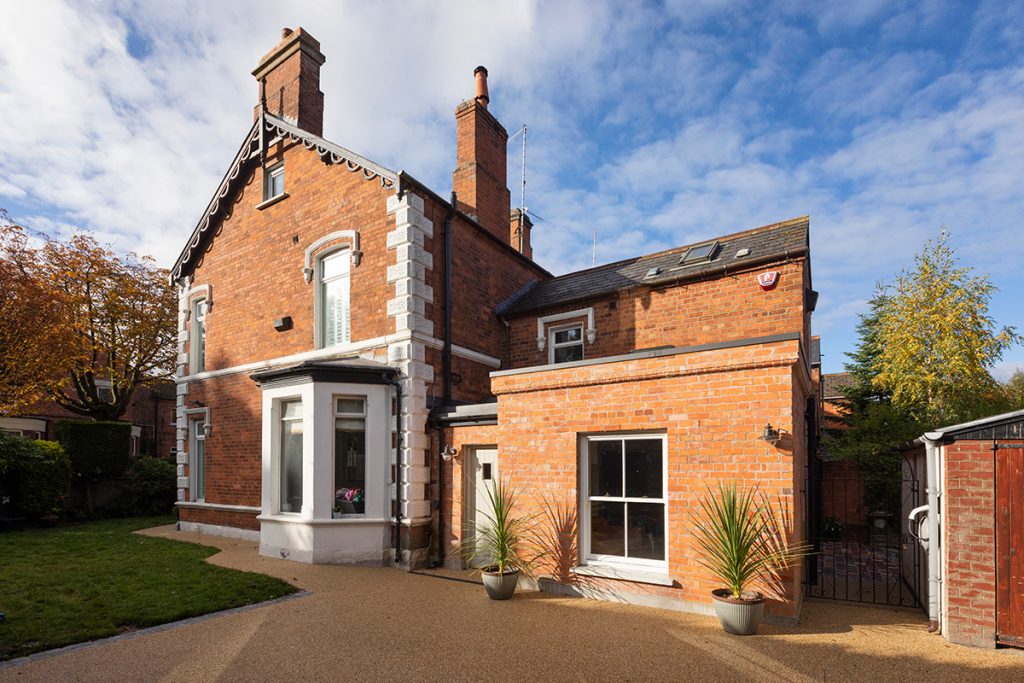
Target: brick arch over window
[
  {"x": 349, "y": 236},
  {"x": 200, "y": 292}
]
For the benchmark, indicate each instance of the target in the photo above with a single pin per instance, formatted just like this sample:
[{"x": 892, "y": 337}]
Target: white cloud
[{"x": 654, "y": 126}]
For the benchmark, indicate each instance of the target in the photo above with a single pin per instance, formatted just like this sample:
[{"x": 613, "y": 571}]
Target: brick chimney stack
[
  {"x": 519, "y": 232},
  {"x": 292, "y": 73},
  {"x": 480, "y": 176}
]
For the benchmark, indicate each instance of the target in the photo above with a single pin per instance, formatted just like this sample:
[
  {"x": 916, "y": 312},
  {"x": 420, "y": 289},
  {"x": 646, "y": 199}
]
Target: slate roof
[
  {"x": 832, "y": 383},
  {"x": 775, "y": 242}
]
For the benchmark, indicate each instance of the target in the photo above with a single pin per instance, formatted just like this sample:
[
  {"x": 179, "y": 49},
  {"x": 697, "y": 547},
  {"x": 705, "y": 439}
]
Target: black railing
[{"x": 857, "y": 526}]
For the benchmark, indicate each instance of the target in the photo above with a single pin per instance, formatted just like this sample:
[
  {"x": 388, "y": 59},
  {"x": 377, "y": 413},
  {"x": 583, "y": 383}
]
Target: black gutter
[{"x": 446, "y": 352}]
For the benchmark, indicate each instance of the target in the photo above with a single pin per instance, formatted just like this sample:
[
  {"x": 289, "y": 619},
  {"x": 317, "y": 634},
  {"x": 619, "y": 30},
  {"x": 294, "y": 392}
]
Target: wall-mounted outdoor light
[
  {"x": 770, "y": 435},
  {"x": 449, "y": 452},
  {"x": 283, "y": 323}
]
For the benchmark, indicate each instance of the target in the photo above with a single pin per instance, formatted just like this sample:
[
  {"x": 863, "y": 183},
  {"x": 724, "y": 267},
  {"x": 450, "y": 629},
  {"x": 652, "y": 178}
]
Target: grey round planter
[
  {"x": 739, "y": 617},
  {"x": 500, "y": 586}
]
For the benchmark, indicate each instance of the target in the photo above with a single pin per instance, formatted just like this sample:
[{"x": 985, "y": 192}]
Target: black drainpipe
[
  {"x": 446, "y": 352},
  {"x": 446, "y": 372},
  {"x": 389, "y": 379}
]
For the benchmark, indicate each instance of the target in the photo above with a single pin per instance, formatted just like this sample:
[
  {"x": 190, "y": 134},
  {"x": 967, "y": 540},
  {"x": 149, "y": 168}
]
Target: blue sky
[{"x": 655, "y": 124}]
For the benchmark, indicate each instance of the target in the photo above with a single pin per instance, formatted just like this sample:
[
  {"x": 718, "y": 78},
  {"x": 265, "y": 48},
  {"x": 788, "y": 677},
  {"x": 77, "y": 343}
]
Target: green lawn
[{"x": 78, "y": 583}]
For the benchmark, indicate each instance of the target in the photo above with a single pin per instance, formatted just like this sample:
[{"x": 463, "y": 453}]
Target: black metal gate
[{"x": 858, "y": 527}]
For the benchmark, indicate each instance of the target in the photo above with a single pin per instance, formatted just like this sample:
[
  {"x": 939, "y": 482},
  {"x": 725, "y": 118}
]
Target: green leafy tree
[
  {"x": 925, "y": 348},
  {"x": 937, "y": 341},
  {"x": 1014, "y": 390},
  {"x": 873, "y": 427}
]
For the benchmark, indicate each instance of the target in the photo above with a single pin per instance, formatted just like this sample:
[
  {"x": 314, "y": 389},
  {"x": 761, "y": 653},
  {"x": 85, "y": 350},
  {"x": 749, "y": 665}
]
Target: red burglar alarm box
[{"x": 768, "y": 280}]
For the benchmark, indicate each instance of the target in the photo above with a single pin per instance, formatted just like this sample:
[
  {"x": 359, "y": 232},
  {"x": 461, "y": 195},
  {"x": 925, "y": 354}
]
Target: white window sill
[
  {"x": 296, "y": 519},
  {"x": 604, "y": 571},
  {"x": 273, "y": 200}
]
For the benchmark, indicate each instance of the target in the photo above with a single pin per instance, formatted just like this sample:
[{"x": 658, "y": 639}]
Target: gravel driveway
[{"x": 372, "y": 624}]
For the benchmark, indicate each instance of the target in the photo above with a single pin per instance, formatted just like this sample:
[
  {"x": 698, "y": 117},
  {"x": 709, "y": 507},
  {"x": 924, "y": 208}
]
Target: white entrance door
[{"x": 482, "y": 476}]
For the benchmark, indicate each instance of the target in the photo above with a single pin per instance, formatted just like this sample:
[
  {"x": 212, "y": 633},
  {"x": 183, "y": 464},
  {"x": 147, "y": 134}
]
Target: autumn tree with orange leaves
[
  {"x": 112, "y": 324},
  {"x": 35, "y": 346}
]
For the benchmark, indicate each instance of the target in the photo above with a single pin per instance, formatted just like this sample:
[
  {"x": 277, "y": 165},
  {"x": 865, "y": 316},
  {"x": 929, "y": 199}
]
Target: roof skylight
[{"x": 700, "y": 253}]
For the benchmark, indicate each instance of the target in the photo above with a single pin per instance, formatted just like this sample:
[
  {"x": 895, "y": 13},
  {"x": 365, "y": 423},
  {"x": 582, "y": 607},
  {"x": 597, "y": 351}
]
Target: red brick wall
[
  {"x": 969, "y": 538},
  {"x": 485, "y": 273},
  {"x": 712, "y": 405},
  {"x": 232, "y": 518},
  {"x": 254, "y": 264},
  {"x": 731, "y": 307},
  {"x": 233, "y": 449}
]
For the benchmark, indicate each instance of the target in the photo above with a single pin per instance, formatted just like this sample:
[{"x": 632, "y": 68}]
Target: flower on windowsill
[{"x": 353, "y": 495}]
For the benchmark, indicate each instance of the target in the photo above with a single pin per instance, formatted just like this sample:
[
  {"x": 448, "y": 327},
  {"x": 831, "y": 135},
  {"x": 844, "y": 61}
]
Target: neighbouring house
[
  {"x": 151, "y": 413},
  {"x": 360, "y": 355},
  {"x": 971, "y": 527},
  {"x": 842, "y": 487}
]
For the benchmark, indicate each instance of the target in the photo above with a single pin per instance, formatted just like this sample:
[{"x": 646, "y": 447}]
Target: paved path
[{"x": 361, "y": 624}]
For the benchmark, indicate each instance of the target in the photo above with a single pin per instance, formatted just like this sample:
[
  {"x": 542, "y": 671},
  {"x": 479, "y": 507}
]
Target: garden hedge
[
  {"x": 98, "y": 450},
  {"x": 36, "y": 474},
  {"x": 153, "y": 486}
]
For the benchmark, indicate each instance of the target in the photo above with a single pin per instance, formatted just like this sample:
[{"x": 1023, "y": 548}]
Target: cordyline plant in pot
[
  {"x": 743, "y": 543},
  {"x": 498, "y": 544}
]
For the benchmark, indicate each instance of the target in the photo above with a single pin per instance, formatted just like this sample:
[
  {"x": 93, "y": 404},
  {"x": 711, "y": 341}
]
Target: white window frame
[
  {"x": 552, "y": 345},
  {"x": 136, "y": 442},
  {"x": 586, "y": 556},
  {"x": 196, "y": 433},
  {"x": 279, "y": 420},
  {"x": 269, "y": 174},
  {"x": 198, "y": 310},
  {"x": 334, "y": 445},
  {"x": 319, "y": 300}
]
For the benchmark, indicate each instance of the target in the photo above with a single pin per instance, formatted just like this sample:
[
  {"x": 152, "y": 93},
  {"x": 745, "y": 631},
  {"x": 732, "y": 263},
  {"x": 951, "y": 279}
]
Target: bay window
[{"x": 623, "y": 489}]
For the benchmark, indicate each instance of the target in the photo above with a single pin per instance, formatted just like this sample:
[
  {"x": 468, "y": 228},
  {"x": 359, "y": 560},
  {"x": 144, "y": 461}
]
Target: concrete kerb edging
[{"x": 56, "y": 652}]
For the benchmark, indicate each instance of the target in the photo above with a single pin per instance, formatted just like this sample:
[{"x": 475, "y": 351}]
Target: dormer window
[
  {"x": 273, "y": 182},
  {"x": 702, "y": 253}
]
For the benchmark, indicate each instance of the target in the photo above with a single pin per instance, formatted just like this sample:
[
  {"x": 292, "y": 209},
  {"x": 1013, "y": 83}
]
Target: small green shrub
[
  {"x": 153, "y": 485},
  {"x": 98, "y": 450},
  {"x": 38, "y": 475}
]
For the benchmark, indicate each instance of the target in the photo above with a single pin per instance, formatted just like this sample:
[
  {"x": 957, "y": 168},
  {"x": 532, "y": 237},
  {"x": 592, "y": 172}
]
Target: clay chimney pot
[{"x": 481, "y": 86}]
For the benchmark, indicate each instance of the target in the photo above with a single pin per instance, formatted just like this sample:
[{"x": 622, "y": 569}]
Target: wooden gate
[{"x": 1010, "y": 543}]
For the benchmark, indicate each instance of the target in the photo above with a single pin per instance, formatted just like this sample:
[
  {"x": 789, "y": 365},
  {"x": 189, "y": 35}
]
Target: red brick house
[{"x": 358, "y": 354}]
